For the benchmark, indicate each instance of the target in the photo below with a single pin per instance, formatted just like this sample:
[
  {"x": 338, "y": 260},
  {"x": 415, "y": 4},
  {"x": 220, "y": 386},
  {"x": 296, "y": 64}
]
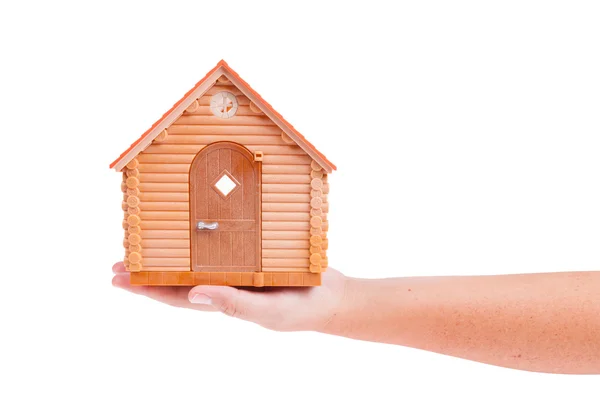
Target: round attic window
[{"x": 223, "y": 105}]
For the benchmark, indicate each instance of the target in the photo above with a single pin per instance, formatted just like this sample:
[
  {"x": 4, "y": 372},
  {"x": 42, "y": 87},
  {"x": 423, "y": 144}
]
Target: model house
[{"x": 222, "y": 190}]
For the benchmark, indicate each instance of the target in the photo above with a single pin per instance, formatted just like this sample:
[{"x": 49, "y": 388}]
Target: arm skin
[{"x": 535, "y": 322}]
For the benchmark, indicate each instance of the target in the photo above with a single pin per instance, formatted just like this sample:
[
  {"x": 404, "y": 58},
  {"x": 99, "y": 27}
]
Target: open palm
[{"x": 281, "y": 309}]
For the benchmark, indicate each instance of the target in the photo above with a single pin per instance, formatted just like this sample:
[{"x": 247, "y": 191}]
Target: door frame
[{"x": 258, "y": 203}]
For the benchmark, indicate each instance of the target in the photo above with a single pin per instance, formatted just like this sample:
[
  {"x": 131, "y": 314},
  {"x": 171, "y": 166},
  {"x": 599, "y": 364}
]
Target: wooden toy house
[{"x": 222, "y": 190}]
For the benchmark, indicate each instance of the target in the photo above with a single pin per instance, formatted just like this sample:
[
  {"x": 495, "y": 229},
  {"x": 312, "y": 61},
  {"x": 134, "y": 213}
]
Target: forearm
[{"x": 539, "y": 322}]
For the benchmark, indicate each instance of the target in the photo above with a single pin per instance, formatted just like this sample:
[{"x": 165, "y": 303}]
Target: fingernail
[{"x": 199, "y": 298}]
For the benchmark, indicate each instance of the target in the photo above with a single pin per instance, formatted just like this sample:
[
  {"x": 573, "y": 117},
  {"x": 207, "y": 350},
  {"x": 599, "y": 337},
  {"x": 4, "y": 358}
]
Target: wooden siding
[{"x": 164, "y": 181}]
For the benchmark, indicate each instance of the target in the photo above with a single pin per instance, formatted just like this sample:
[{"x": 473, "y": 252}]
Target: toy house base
[{"x": 255, "y": 279}]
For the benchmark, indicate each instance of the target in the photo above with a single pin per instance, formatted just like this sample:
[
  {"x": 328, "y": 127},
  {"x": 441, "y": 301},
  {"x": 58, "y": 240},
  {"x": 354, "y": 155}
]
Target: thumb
[{"x": 236, "y": 303}]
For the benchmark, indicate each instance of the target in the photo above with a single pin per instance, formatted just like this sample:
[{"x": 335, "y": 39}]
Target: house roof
[{"x": 197, "y": 91}]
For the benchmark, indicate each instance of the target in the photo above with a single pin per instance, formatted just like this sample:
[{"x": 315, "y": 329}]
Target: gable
[
  {"x": 256, "y": 106},
  {"x": 198, "y": 127}
]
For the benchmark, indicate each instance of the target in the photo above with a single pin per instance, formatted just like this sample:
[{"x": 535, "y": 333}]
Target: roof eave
[
  {"x": 275, "y": 118},
  {"x": 208, "y": 81}
]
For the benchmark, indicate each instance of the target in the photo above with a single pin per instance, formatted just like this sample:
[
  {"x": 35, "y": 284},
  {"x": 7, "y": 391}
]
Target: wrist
[{"x": 345, "y": 310}]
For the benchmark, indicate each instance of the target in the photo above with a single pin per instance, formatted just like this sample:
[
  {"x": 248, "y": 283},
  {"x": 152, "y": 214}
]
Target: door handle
[{"x": 207, "y": 226}]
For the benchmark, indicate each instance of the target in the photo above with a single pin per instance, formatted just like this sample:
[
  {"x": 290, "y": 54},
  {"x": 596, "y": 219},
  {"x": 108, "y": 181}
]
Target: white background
[{"x": 466, "y": 136}]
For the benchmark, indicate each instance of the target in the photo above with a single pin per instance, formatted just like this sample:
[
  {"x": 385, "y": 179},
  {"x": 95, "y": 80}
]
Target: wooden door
[{"x": 225, "y": 200}]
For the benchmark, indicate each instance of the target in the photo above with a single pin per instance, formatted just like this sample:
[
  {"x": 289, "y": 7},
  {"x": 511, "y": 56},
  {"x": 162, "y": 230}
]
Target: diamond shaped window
[{"x": 225, "y": 184}]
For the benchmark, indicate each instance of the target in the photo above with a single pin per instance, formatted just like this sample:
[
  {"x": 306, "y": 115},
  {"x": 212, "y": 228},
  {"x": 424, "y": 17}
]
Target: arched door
[{"x": 225, "y": 192}]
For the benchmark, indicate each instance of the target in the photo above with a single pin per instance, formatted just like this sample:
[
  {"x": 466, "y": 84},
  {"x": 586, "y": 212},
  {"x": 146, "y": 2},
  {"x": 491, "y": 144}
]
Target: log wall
[{"x": 294, "y": 191}]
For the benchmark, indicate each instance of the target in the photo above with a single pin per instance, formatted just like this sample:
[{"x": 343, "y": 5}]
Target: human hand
[{"x": 277, "y": 308}]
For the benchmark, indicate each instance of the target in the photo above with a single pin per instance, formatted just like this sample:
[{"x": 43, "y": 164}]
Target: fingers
[
  {"x": 176, "y": 296},
  {"x": 119, "y": 268},
  {"x": 246, "y": 305}
]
